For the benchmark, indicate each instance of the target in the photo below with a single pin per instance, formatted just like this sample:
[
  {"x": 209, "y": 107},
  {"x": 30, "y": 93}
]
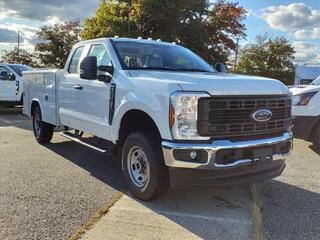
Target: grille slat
[{"x": 231, "y": 116}]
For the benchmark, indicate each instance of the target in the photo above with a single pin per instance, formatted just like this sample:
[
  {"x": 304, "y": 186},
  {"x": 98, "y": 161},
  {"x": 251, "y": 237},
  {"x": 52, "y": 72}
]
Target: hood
[
  {"x": 216, "y": 83},
  {"x": 299, "y": 89}
]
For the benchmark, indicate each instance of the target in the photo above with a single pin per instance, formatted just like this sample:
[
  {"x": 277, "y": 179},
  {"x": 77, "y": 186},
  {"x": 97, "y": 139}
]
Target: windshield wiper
[{"x": 193, "y": 70}]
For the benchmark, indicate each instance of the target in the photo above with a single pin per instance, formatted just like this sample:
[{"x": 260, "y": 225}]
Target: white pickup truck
[
  {"x": 306, "y": 112},
  {"x": 175, "y": 119},
  {"x": 11, "y": 84}
]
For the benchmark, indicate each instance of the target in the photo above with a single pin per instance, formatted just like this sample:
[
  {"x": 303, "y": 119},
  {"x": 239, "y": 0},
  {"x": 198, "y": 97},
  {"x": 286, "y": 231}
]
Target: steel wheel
[
  {"x": 37, "y": 124},
  {"x": 138, "y": 167}
]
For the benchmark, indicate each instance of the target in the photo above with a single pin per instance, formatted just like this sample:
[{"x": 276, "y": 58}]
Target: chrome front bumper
[{"x": 215, "y": 146}]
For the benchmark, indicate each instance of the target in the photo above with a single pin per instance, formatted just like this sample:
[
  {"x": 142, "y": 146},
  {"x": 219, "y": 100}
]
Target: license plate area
[{"x": 262, "y": 155}]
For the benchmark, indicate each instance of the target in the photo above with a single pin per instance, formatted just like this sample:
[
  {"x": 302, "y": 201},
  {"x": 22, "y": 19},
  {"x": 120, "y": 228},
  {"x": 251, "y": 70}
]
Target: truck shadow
[
  {"x": 106, "y": 169},
  {"x": 13, "y": 117},
  {"x": 290, "y": 212},
  {"x": 200, "y": 211}
]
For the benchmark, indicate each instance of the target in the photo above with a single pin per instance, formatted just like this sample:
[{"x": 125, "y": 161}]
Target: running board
[{"x": 77, "y": 140}]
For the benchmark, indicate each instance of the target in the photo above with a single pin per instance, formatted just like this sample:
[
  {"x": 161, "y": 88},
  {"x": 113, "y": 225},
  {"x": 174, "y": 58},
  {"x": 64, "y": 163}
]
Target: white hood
[
  {"x": 216, "y": 83},
  {"x": 299, "y": 89}
]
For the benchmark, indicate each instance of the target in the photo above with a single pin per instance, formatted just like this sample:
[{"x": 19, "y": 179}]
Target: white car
[
  {"x": 11, "y": 84},
  {"x": 306, "y": 111},
  {"x": 175, "y": 119}
]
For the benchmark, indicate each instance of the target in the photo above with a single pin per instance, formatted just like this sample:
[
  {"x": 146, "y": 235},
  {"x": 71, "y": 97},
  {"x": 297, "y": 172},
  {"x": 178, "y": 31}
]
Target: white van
[
  {"x": 11, "y": 85},
  {"x": 305, "y": 74}
]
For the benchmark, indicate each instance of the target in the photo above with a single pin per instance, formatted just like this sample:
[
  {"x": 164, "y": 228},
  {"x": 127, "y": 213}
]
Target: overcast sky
[{"x": 299, "y": 21}]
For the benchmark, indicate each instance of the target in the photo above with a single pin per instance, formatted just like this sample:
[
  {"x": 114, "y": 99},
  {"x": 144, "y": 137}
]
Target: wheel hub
[{"x": 138, "y": 167}]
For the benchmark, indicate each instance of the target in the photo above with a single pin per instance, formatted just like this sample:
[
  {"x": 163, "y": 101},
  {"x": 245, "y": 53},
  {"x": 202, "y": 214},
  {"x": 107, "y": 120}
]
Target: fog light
[{"x": 193, "y": 155}]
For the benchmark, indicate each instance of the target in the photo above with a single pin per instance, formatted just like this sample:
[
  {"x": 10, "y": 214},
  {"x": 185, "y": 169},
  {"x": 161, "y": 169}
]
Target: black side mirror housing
[
  {"x": 12, "y": 77},
  {"x": 220, "y": 67},
  {"x": 108, "y": 70},
  {"x": 7, "y": 77},
  {"x": 88, "y": 68}
]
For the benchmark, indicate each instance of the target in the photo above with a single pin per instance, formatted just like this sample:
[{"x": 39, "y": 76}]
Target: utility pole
[
  {"x": 18, "y": 46},
  {"x": 236, "y": 57}
]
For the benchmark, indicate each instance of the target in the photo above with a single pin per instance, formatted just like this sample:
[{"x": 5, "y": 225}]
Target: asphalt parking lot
[{"x": 48, "y": 192}]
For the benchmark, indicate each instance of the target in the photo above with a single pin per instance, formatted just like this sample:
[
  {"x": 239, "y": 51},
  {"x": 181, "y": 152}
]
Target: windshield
[
  {"x": 151, "y": 56},
  {"x": 19, "y": 68},
  {"x": 316, "y": 81}
]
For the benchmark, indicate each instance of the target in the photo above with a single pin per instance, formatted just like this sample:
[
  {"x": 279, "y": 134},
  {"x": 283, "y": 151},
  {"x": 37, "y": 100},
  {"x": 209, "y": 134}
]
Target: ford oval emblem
[{"x": 261, "y": 115}]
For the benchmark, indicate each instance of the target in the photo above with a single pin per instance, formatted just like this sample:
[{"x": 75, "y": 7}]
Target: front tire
[
  {"x": 143, "y": 166},
  {"x": 42, "y": 131}
]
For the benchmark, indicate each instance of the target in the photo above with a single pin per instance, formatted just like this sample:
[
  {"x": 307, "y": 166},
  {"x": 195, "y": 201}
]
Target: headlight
[
  {"x": 302, "y": 99},
  {"x": 183, "y": 115}
]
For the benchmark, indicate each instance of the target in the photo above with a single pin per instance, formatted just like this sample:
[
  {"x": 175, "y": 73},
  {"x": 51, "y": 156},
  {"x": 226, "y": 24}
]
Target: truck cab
[
  {"x": 11, "y": 84},
  {"x": 174, "y": 119}
]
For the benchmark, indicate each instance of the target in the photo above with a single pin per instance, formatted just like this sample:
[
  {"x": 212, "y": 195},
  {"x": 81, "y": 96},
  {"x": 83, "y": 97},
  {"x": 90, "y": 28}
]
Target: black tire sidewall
[
  {"x": 46, "y": 129},
  {"x": 158, "y": 179},
  {"x": 37, "y": 111}
]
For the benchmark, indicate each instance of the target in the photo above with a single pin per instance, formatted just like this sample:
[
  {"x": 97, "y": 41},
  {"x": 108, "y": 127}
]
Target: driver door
[
  {"x": 92, "y": 102},
  {"x": 7, "y": 85}
]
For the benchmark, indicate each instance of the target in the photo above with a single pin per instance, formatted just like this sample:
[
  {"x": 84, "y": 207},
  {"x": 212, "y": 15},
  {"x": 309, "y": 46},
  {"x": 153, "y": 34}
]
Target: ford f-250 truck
[{"x": 175, "y": 119}]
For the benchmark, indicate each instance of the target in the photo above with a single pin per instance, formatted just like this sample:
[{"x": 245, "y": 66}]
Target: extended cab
[
  {"x": 175, "y": 119},
  {"x": 11, "y": 84}
]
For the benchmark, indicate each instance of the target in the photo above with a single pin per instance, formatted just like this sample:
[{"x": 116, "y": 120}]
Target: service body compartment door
[{"x": 50, "y": 98}]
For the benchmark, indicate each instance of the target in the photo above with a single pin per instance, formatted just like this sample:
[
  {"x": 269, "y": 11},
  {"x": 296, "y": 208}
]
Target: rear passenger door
[
  {"x": 92, "y": 101},
  {"x": 68, "y": 90}
]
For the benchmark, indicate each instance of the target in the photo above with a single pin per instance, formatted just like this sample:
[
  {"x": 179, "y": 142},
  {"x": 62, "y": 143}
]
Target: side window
[
  {"x": 100, "y": 52},
  {"x": 75, "y": 61},
  {"x": 6, "y": 74}
]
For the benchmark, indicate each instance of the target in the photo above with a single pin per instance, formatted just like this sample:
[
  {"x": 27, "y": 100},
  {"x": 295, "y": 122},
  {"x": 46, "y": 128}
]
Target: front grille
[{"x": 231, "y": 115}]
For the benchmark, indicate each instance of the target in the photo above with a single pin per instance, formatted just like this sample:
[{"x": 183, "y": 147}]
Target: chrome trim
[{"x": 212, "y": 148}]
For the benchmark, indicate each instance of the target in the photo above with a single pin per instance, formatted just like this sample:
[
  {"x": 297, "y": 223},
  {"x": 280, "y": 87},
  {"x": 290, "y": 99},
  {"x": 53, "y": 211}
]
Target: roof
[{"x": 138, "y": 40}]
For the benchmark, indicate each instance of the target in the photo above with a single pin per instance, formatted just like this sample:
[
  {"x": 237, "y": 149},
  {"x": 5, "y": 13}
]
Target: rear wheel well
[
  {"x": 135, "y": 120},
  {"x": 33, "y": 106}
]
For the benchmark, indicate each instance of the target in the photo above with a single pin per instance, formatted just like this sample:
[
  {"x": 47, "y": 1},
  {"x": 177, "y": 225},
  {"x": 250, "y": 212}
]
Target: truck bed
[{"x": 40, "y": 86}]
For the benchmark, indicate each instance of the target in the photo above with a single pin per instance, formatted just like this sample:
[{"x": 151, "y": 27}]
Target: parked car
[
  {"x": 305, "y": 74},
  {"x": 175, "y": 119},
  {"x": 11, "y": 84},
  {"x": 306, "y": 112}
]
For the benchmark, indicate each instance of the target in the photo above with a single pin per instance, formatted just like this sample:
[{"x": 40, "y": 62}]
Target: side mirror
[
  {"x": 106, "y": 76},
  {"x": 7, "y": 77},
  {"x": 220, "y": 67},
  {"x": 88, "y": 68},
  {"x": 12, "y": 77}
]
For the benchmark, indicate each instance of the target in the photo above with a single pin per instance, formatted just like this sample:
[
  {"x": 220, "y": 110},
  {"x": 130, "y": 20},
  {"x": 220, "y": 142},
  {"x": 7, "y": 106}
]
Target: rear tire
[
  {"x": 42, "y": 131},
  {"x": 143, "y": 166}
]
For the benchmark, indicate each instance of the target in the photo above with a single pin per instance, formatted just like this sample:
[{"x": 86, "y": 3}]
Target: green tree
[
  {"x": 268, "y": 58},
  {"x": 55, "y": 43},
  {"x": 207, "y": 28},
  {"x": 23, "y": 57}
]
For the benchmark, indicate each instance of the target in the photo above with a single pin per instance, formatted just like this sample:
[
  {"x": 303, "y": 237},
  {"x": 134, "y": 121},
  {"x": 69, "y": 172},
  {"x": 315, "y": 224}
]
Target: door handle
[{"x": 78, "y": 87}]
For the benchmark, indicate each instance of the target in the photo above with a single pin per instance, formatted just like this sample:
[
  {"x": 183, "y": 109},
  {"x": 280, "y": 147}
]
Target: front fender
[{"x": 156, "y": 111}]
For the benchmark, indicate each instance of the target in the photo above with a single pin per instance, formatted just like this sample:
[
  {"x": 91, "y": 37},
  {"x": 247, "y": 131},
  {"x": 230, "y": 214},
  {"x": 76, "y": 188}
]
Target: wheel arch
[
  {"x": 134, "y": 120},
  {"x": 34, "y": 103}
]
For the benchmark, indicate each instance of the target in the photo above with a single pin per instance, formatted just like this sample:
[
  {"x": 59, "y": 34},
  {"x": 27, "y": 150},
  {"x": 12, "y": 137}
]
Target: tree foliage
[
  {"x": 23, "y": 57},
  {"x": 207, "y": 28},
  {"x": 55, "y": 43},
  {"x": 269, "y": 58}
]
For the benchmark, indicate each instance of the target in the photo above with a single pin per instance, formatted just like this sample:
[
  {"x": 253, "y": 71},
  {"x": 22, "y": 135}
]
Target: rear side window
[{"x": 75, "y": 61}]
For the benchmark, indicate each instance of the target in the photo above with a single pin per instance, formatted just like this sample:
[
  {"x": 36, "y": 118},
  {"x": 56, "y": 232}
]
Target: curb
[{"x": 95, "y": 218}]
